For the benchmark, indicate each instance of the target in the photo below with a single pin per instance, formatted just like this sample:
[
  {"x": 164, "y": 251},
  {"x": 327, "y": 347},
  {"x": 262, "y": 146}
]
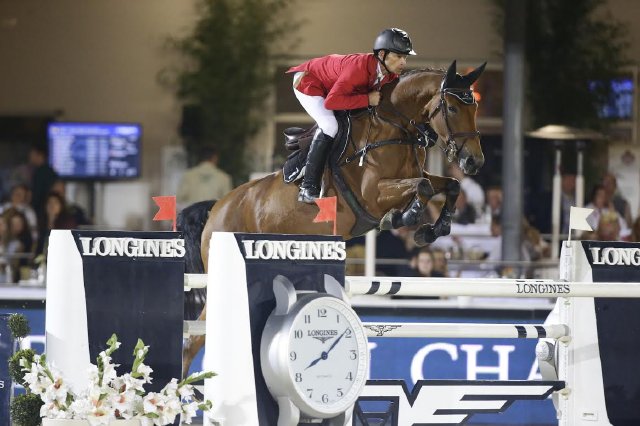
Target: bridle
[
  {"x": 427, "y": 135},
  {"x": 450, "y": 146}
]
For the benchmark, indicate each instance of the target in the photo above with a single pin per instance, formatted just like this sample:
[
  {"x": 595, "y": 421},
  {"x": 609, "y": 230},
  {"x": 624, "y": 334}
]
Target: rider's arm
[{"x": 343, "y": 93}]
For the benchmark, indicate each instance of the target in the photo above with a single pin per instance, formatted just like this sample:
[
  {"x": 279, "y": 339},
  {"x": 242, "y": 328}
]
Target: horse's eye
[{"x": 452, "y": 109}]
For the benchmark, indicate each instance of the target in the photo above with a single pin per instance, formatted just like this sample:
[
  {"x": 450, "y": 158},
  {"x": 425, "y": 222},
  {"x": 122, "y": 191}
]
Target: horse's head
[
  {"x": 444, "y": 102},
  {"x": 452, "y": 114}
]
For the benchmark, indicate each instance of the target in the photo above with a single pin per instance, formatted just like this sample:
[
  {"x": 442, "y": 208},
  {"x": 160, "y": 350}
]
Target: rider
[{"x": 344, "y": 82}]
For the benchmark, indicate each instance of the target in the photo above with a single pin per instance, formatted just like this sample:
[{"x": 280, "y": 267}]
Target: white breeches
[{"x": 314, "y": 105}]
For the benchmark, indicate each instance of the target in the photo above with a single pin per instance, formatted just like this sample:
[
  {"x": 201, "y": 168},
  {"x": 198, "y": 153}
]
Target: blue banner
[
  {"x": 413, "y": 359},
  {"x": 6, "y": 350}
]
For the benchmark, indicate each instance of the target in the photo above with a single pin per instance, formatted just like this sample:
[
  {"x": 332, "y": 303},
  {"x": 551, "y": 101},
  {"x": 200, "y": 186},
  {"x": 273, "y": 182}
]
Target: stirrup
[{"x": 308, "y": 195}]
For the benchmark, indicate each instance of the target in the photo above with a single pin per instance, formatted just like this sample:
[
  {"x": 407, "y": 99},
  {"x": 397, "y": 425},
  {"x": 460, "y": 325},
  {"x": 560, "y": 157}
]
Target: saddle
[{"x": 298, "y": 140}]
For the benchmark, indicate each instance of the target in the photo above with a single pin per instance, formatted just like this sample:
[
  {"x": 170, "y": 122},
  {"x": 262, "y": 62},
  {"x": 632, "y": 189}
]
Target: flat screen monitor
[
  {"x": 619, "y": 106},
  {"x": 95, "y": 151}
]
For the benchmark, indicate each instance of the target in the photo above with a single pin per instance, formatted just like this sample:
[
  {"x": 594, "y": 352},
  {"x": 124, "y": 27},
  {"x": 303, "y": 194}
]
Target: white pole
[
  {"x": 555, "y": 206},
  {"x": 580, "y": 178},
  {"x": 370, "y": 253},
  {"x": 410, "y": 286},
  {"x": 466, "y": 330}
]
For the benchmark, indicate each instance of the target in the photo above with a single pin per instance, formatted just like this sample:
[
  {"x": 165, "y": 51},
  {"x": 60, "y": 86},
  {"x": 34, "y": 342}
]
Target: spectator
[
  {"x": 42, "y": 179},
  {"x": 74, "y": 210},
  {"x": 475, "y": 193},
  {"x": 532, "y": 247},
  {"x": 19, "y": 200},
  {"x": 56, "y": 217},
  {"x": 424, "y": 263},
  {"x": 19, "y": 242},
  {"x": 465, "y": 213},
  {"x": 602, "y": 205},
  {"x": 440, "y": 262},
  {"x": 614, "y": 198},
  {"x": 608, "y": 227},
  {"x": 396, "y": 244},
  {"x": 493, "y": 204},
  {"x": 420, "y": 265},
  {"x": 204, "y": 181}
]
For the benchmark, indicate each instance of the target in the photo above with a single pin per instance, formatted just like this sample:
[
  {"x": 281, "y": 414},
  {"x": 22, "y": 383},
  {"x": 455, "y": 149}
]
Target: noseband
[{"x": 451, "y": 148}]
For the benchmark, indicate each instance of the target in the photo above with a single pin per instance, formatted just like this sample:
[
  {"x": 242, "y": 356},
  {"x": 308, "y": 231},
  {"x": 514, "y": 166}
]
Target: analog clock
[{"x": 314, "y": 354}]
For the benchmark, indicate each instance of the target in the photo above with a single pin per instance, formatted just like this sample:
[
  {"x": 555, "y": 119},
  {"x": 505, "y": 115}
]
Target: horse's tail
[{"x": 190, "y": 222}]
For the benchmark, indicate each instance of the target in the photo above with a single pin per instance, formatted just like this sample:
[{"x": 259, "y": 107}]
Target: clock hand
[
  {"x": 317, "y": 360},
  {"x": 325, "y": 355},
  {"x": 336, "y": 342}
]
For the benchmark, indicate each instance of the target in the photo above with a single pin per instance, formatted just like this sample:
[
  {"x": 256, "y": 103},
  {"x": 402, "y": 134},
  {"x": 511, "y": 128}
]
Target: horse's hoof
[
  {"x": 388, "y": 220},
  {"x": 426, "y": 234}
]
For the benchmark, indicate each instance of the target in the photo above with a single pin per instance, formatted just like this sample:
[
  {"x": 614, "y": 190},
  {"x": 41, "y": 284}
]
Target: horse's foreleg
[
  {"x": 192, "y": 346},
  {"x": 394, "y": 193},
  {"x": 451, "y": 188}
]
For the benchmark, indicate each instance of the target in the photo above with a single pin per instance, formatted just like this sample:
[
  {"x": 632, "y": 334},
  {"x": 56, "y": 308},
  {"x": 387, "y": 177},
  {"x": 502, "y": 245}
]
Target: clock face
[{"x": 328, "y": 355}]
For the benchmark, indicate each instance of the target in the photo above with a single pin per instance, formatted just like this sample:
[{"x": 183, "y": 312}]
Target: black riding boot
[{"x": 310, "y": 188}]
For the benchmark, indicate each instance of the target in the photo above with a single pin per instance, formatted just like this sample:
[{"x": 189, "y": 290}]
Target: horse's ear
[
  {"x": 450, "y": 79},
  {"x": 470, "y": 78}
]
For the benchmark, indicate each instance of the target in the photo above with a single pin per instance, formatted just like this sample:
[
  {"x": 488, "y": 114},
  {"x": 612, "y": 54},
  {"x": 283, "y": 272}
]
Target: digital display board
[{"x": 98, "y": 151}]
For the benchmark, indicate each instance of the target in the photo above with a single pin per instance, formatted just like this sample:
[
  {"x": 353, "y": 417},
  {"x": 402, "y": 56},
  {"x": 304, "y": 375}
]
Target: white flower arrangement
[{"x": 112, "y": 397}]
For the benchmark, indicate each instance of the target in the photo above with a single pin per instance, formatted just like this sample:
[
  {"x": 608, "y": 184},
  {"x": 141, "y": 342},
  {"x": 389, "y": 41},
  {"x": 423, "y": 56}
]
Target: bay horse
[{"x": 378, "y": 175}]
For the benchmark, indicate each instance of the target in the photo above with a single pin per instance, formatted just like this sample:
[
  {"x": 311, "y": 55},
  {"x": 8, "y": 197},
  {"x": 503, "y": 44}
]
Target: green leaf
[{"x": 19, "y": 326}]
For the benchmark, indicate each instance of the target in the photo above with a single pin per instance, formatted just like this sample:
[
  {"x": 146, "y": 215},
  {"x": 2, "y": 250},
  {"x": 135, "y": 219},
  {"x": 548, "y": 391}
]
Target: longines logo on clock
[{"x": 322, "y": 335}]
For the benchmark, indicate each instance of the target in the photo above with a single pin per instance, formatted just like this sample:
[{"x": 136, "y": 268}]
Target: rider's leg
[{"x": 320, "y": 146}]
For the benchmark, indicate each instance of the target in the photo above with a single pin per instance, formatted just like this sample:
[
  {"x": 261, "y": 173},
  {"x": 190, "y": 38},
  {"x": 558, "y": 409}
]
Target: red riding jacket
[{"x": 343, "y": 80}]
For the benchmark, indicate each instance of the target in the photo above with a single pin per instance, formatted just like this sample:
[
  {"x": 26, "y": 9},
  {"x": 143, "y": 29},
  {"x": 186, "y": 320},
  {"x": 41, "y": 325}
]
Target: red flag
[
  {"x": 328, "y": 211},
  {"x": 167, "y": 208}
]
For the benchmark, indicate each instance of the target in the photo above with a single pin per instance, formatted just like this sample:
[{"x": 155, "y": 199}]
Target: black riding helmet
[{"x": 394, "y": 40}]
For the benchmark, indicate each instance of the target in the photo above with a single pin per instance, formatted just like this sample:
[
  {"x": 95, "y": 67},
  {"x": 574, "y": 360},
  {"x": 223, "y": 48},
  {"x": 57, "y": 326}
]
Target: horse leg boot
[
  {"x": 391, "y": 189},
  {"x": 316, "y": 159},
  {"x": 428, "y": 233}
]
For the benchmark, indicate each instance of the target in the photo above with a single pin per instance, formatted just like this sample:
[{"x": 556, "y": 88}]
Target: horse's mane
[{"x": 423, "y": 70}]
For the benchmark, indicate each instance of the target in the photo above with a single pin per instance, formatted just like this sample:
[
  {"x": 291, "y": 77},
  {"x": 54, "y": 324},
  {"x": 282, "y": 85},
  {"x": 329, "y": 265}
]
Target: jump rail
[
  {"x": 499, "y": 287},
  {"x": 464, "y": 330}
]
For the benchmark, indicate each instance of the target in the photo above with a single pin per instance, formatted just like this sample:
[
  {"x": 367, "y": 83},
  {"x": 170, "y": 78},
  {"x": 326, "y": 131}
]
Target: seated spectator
[
  {"x": 440, "y": 262},
  {"x": 532, "y": 247},
  {"x": 19, "y": 242},
  {"x": 56, "y": 217},
  {"x": 19, "y": 200},
  {"x": 77, "y": 212},
  {"x": 608, "y": 228},
  {"x": 465, "y": 213},
  {"x": 493, "y": 205},
  {"x": 601, "y": 205},
  {"x": 424, "y": 263},
  {"x": 420, "y": 265},
  {"x": 394, "y": 245},
  {"x": 615, "y": 199}
]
